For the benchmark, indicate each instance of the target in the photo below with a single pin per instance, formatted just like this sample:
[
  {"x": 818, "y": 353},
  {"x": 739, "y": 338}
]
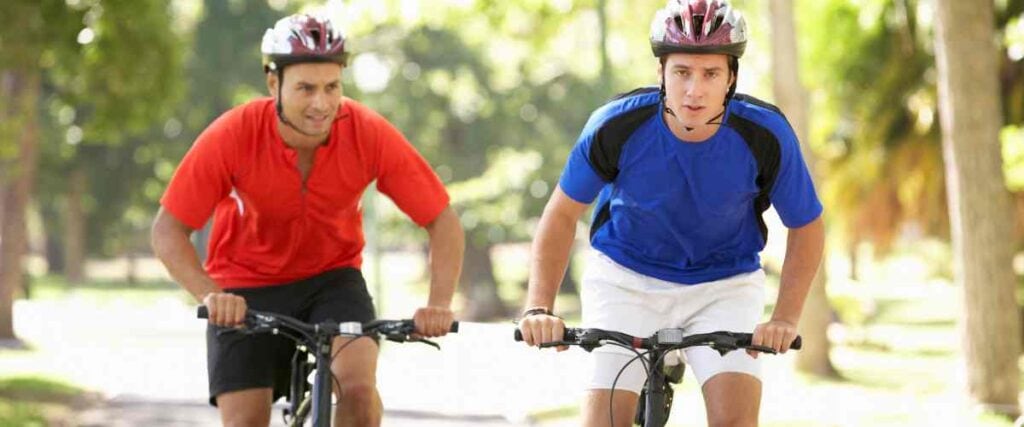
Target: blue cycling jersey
[{"x": 688, "y": 212}]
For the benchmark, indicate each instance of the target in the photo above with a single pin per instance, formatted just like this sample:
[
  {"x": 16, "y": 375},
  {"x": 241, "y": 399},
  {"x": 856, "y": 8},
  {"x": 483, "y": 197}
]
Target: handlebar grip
[
  {"x": 797, "y": 343},
  {"x": 455, "y": 326},
  {"x": 568, "y": 334},
  {"x": 202, "y": 312}
]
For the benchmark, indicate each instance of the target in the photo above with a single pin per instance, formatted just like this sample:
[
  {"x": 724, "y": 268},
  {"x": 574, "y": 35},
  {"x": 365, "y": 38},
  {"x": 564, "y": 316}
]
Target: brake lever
[
  {"x": 762, "y": 349},
  {"x": 427, "y": 342}
]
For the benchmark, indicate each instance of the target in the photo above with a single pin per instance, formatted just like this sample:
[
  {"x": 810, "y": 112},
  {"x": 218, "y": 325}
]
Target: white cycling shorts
[{"x": 616, "y": 298}]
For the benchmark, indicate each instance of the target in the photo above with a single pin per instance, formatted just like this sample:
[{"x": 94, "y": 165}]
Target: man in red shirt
[{"x": 282, "y": 178}]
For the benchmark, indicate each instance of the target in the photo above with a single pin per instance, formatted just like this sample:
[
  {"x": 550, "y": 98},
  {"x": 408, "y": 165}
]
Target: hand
[
  {"x": 542, "y": 328},
  {"x": 777, "y": 334},
  {"x": 225, "y": 309},
  {"x": 433, "y": 321}
]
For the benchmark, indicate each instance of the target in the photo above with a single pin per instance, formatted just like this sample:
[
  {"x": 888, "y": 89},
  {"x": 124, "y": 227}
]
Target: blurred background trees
[{"x": 103, "y": 97}]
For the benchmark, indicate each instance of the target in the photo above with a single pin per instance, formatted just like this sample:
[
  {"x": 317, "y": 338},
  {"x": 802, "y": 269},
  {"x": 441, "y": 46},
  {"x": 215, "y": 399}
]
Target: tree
[
  {"x": 792, "y": 99},
  {"x": 979, "y": 204},
  {"x": 87, "y": 59}
]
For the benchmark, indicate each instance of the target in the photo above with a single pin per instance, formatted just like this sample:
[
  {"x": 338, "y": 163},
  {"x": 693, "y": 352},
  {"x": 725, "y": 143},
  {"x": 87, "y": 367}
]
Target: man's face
[
  {"x": 696, "y": 86},
  {"x": 310, "y": 95}
]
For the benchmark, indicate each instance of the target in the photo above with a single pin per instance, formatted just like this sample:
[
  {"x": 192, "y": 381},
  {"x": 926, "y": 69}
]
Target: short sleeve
[
  {"x": 793, "y": 194},
  {"x": 203, "y": 178},
  {"x": 406, "y": 177}
]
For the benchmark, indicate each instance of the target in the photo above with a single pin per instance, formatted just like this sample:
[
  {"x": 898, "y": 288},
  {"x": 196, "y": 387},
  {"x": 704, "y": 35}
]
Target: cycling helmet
[
  {"x": 302, "y": 38},
  {"x": 698, "y": 26}
]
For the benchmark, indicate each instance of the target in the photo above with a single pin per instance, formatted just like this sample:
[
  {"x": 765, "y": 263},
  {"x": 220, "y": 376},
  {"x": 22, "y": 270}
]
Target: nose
[{"x": 319, "y": 101}]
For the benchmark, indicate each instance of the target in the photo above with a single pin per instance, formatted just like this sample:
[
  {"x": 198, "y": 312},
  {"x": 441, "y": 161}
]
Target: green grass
[{"x": 32, "y": 401}]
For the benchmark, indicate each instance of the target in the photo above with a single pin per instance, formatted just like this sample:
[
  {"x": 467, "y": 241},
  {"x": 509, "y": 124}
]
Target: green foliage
[
  {"x": 25, "y": 401},
  {"x": 37, "y": 389}
]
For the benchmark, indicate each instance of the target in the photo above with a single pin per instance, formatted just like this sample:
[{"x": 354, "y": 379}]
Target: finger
[
  {"x": 525, "y": 332},
  {"x": 778, "y": 338},
  {"x": 556, "y": 331},
  {"x": 240, "y": 308},
  {"x": 787, "y": 340},
  {"x": 216, "y": 311},
  {"x": 545, "y": 334}
]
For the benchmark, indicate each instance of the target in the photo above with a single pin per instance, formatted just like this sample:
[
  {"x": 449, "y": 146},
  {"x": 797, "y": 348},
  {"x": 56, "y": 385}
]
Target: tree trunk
[
  {"x": 22, "y": 88},
  {"x": 478, "y": 278},
  {"x": 74, "y": 227},
  {"x": 979, "y": 203},
  {"x": 792, "y": 99}
]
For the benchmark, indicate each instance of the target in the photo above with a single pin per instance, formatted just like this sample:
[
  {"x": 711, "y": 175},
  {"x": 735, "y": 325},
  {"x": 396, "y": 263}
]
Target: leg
[
  {"x": 596, "y": 410},
  {"x": 359, "y": 403},
  {"x": 245, "y": 408},
  {"x": 732, "y": 399}
]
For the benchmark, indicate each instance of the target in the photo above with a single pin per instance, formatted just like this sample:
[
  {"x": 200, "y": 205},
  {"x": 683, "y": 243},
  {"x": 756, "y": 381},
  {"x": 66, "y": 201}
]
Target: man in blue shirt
[{"x": 682, "y": 174}]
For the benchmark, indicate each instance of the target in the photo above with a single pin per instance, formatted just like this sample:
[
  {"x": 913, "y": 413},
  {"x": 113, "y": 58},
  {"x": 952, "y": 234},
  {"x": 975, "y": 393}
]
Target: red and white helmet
[
  {"x": 698, "y": 26},
  {"x": 302, "y": 38}
]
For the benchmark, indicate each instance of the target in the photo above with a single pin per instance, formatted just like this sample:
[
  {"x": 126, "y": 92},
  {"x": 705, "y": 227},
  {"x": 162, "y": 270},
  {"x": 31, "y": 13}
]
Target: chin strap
[{"x": 710, "y": 121}]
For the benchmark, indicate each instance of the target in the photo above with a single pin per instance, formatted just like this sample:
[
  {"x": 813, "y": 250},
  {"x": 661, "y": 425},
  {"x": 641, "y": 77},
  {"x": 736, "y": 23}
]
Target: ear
[{"x": 272, "y": 83}]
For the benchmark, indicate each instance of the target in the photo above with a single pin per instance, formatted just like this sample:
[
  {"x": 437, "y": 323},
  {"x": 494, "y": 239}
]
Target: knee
[
  {"x": 731, "y": 419},
  {"x": 359, "y": 395},
  {"x": 245, "y": 420}
]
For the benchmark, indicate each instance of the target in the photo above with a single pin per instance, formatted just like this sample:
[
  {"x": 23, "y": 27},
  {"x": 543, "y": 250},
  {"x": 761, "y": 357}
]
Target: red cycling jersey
[{"x": 268, "y": 226}]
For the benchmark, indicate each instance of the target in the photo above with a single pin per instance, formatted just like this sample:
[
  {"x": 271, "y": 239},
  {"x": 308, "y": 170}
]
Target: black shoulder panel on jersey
[
  {"x": 612, "y": 136},
  {"x": 742, "y": 97},
  {"x": 764, "y": 146}
]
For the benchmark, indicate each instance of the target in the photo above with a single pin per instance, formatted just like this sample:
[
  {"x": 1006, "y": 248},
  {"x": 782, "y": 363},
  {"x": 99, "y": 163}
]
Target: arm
[
  {"x": 804, "y": 247},
  {"x": 170, "y": 240},
  {"x": 447, "y": 244},
  {"x": 550, "y": 253}
]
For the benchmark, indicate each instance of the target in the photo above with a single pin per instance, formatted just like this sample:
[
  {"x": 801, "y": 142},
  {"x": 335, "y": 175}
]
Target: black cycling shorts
[{"x": 238, "y": 362}]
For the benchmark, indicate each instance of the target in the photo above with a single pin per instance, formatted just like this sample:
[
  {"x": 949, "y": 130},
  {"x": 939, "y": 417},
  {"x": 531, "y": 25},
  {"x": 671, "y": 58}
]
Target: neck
[{"x": 692, "y": 133}]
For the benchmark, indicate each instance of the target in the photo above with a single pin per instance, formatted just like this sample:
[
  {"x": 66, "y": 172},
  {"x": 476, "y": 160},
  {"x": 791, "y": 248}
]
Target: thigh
[
  {"x": 732, "y": 399},
  {"x": 356, "y": 361},
  {"x": 341, "y": 296},
  {"x": 238, "y": 362},
  {"x": 250, "y": 407},
  {"x": 735, "y": 304},
  {"x": 597, "y": 412},
  {"x": 613, "y": 298}
]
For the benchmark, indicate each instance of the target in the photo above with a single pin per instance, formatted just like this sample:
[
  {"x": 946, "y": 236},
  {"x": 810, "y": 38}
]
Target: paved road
[{"x": 148, "y": 360}]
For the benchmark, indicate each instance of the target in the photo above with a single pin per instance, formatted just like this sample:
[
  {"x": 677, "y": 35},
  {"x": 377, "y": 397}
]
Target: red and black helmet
[
  {"x": 302, "y": 38},
  {"x": 698, "y": 26}
]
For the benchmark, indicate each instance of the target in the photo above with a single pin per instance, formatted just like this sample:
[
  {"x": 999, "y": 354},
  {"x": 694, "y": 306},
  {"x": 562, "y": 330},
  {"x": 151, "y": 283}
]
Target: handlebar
[
  {"x": 664, "y": 339},
  {"x": 392, "y": 330}
]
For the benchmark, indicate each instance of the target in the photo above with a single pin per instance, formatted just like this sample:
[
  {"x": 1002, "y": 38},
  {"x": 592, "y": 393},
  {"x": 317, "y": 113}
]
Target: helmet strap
[{"x": 280, "y": 107}]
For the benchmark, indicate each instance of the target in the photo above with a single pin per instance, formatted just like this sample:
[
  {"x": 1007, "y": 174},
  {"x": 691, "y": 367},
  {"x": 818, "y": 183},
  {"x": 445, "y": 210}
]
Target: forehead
[
  {"x": 697, "y": 60},
  {"x": 325, "y": 72}
]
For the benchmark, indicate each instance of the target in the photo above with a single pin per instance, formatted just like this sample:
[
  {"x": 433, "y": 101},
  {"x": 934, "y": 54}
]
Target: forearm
[
  {"x": 174, "y": 249},
  {"x": 549, "y": 258},
  {"x": 804, "y": 248},
  {"x": 447, "y": 246}
]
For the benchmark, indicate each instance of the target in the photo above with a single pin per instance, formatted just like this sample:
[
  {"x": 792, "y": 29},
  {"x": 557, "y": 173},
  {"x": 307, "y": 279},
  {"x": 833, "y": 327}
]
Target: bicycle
[
  {"x": 655, "y": 401},
  {"x": 313, "y": 355}
]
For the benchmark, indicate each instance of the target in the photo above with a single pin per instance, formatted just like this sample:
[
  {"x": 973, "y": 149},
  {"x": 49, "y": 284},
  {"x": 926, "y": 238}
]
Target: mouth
[
  {"x": 317, "y": 119},
  {"x": 693, "y": 108}
]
